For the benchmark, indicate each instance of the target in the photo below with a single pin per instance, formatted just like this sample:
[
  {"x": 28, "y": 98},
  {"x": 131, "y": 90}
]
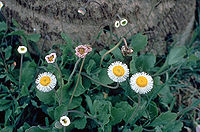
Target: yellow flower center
[
  {"x": 64, "y": 120},
  {"x": 118, "y": 71},
  {"x": 51, "y": 58},
  {"x": 81, "y": 50},
  {"x": 45, "y": 81},
  {"x": 141, "y": 81},
  {"x": 22, "y": 49}
]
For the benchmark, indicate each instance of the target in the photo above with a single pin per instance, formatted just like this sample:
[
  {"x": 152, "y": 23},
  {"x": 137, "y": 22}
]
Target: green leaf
[
  {"x": 47, "y": 97},
  {"x": 90, "y": 66},
  {"x": 8, "y": 52},
  {"x": 80, "y": 123},
  {"x": 15, "y": 23},
  {"x": 60, "y": 111},
  {"x": 76, "y": 102},
  {"x": 164, "y": 118},
  {"x": 17, "y": 32},
  {"x": 117, "y": 54},
  {"x": 89, "y": 104},
  {"x": 138, "y": 129},
  {"x": 166, "y": 95},
  {"x": 145, "y": 62},
  {"x": 138, "y": 42},
  {"x": 34, "y": 37},
  {"x": 103, "y": 77},
  {"x": 28, "y": 73},
  {"x": 38, "y": 129},
  {"x": 7, "y": 129},
  {"x": 175, "y": 126},
  {"x": 24, "y": 91},
  {"x": 176, "y": 55},
  {"x": 3, "y": 26},
  {"x": 132, "y": 64},
  {"x": 4, "y": 107},
  {"x": 7, "y": 115},
  {"x": 117, "y": 114},
  {"x": 127, "y": 108},
  {"x": 193, "y": 58},
  {"x": 102, "y": 110},
  {"x": 66, "y": 38},
  {"x": 152, "y": 109},
  {"x": 80, "y": 88}
]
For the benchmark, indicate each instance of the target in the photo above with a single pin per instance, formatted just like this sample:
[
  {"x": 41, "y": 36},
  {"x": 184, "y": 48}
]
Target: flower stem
[
  {"x": 75, "y": 67},
  {"x": 61, "y": 83},
  {"x": 111, "y": 50},
  {"x": 115, "y": 87},
  {"x": 56, "y": 94},
  {"x": 20, "y": 71},
  {"x": 64, "y": 130},
  {"x": 76, "y": 83},
  {"x": 135, "y": 112}
]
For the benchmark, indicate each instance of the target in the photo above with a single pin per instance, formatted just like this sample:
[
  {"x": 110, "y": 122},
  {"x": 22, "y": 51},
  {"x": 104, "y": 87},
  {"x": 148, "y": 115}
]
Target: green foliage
[
  {"x": 145, "y": 62},
  {"x": 94, "y": 105},
  {"x": 164, "y": 119},
  {"x": 139, "y": 42},
  {"x": 3, "y": 26},
  {"x": 46, "y": 98},
  {"x": 176, "y": 55}
]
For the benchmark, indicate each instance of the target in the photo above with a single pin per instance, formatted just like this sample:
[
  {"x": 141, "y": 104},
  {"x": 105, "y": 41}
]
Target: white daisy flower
[
  {"x": 22, "y": 49},
  {"x": 50, "y": 58},
  {"x": 123, "y": 22},
  {"x": 118, "y": 71},
  {"x": 141, "y": 83},
  {"x": 64, "y": 120},
  {"x": 117, "y": 24},
  {"x": 1, "y": 5},
  {"x": 46, "y": 82}
]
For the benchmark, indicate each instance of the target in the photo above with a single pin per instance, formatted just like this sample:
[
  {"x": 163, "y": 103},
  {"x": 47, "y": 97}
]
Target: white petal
[
  {"x": 138, "y": 89},
  {"x": 64, "y": 118},
  {"x": 49, "y": 87},
  {"x": 115, "y": 78}
]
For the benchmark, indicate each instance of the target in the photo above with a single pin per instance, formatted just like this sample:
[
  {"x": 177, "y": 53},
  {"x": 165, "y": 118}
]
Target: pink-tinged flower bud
[{"x": 81, "y": 51}]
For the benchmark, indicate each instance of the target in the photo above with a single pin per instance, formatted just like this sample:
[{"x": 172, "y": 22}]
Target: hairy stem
[
  {"x": 75, "y": 67},
  {"x": 111, "y": 50},
  {"x": 61, "y": 83},
  {"x": 20, "y": 71},
  {"x": 115, "y": 87},
  {"x": 76, "y": 83},
  {"x": 135, "y": 112}
]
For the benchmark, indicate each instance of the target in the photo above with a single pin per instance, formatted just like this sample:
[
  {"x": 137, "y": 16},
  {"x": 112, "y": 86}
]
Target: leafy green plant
[{"x": 84, "y": 91}]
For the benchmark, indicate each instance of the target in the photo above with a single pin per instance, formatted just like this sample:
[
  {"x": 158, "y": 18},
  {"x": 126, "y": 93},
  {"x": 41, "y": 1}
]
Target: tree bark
[{"x": 159, "y": 19}]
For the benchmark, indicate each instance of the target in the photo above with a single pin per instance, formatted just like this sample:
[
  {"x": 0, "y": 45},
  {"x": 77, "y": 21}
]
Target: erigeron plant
[{"x": 110, "y": 90}]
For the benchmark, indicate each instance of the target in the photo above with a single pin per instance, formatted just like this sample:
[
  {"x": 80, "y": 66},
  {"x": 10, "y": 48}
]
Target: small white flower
[
  {"x": 1, "y": 5},
  {"x": 46, "y": 82},
  {"x": 82, "y": 10},
  {"x": 117, "y": 24},
  {"x": 51, "y": 58},
  {"x": 141, "y": 83},
  {"x": 118, "y": 71},
  {"x": 123, "y": 22},
  {"x": 22, "y": 49},
  {"x": 64, "y": 120}
]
